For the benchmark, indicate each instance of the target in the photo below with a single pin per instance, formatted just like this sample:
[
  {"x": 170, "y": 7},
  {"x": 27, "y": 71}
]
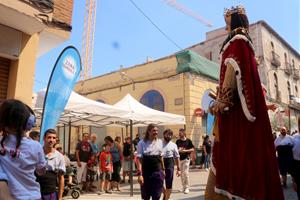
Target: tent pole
[
  {"x": 64, "y": 145},
  {"x": 132, "y": 158},
  {"x": 122, "y": 135},
  {"x": 69, "y": 145}
]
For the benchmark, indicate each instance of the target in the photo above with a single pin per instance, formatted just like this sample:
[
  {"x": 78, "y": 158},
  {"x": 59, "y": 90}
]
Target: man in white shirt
[
  {"x": 170, "y": 154},
  {"x": 55, "y": 169},
  {"x": 284, "y": 145}
]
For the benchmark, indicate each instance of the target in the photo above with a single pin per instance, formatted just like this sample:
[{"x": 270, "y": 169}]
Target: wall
[{"x": 21, "y": 74}]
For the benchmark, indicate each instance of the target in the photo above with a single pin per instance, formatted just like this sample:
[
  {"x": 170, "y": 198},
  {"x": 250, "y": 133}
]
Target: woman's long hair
[
  {"x": 149, "y": 128},
  {"x": 14, "y": 115}
]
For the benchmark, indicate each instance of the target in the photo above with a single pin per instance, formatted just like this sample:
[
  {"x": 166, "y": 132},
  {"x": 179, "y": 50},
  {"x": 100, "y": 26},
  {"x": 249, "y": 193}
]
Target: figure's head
[
  {"x": 85, "y": 137},
  {"x": 50, "y": 138},
  {"x": 93, "y": 137},
  {"x": 236, "y": 18},
  {"x": 181, "y": 133},
  {"x": 283, "y": 131},
  {"x": 127, "y": 140},
  {"x": 15, "y": 118},
  {"x": 168, "y": 135},
  {"x": 58, "y": 148},
  {"x": 151, "y": 132},
  {"x": 105, "y": 148},
  {"x": 108, "y": 140},
  {"x": 118, "y": 139},
  {"x": 35, "y": 135}
]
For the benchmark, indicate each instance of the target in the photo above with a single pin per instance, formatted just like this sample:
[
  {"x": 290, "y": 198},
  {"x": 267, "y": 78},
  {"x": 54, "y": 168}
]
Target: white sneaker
[
  {"x": 186, "y": 191},
  {"x": 99, "y": 192}
]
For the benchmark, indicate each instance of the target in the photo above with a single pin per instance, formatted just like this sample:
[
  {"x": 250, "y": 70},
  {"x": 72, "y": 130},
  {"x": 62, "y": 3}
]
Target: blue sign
[
  {"x": 61, "y": 83},
  {"x": 209, "y": 123}
]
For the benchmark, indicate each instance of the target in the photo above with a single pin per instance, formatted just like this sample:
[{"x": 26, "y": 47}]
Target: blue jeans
[{"x": 207, "y": 161}]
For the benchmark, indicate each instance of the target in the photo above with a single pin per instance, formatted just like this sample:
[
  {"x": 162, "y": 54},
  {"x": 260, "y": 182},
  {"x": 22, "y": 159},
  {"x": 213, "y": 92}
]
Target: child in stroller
[{"x": 71, "y": 183}]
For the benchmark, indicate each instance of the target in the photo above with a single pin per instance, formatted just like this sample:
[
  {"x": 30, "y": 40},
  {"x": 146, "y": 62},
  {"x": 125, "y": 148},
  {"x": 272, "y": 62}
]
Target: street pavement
[{"x": 198, "y": 180}]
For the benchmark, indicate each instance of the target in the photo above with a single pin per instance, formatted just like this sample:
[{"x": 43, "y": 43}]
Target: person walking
[
  {"x": 106, "y": 168},
  {"x": 127, "y": 159},
  {"x": 284, "y": 147},
  {"x": 20, "y": 156},
  {"x": 207, "y": 151},
  {"x": 243, "y": 155},
  {"x": 117, "y": 157},
  {"x": 55, "y": 169},
  {"x": 170, "y": 156},
  {"x": 150, "y": 164},
  {"x": 185, "y": 147},
  {"x": 83, "y": 153}
]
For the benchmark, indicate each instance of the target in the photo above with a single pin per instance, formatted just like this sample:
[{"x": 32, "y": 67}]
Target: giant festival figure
[{"x": 244, "y": 163}]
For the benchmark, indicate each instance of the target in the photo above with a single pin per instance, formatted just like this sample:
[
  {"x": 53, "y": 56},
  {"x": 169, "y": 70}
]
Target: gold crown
[{"x": 238, "y": 9}]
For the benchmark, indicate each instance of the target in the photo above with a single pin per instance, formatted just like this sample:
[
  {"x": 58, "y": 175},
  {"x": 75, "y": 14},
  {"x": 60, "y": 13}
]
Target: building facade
[
  {"x": 28, "y": 29},
  {"x": 174, "y": 84},
  {"x": 278, "y": 65}
]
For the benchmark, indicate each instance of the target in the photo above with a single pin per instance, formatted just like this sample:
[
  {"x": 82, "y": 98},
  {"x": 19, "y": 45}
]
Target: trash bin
[{"x": 198, "y": 156}]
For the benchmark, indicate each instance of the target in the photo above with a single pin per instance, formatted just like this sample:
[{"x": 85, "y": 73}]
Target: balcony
[
  {"x": 275, "y": 59},
  {"x": 288, "y": 68},
  {"x": 296, "y": 74}
]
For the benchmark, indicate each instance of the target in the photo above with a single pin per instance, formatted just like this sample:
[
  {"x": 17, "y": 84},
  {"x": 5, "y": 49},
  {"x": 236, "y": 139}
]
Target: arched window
[
  {"x": 289, "y": 88},
  {"x": 276, "y": 86},
  {"x": 153, "y": 99},
  {"x": 272, "y": 46},
  {"x": 285, "y": 58},
  {"x": 275, "y": 81}
]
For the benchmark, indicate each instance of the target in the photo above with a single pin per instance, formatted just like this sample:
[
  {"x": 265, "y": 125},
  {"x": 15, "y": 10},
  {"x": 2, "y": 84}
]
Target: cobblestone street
[{"x": 198, "y": 180}]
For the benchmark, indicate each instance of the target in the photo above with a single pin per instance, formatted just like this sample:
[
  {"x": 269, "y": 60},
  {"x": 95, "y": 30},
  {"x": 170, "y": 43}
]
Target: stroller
[{"x": 73, "y": 189}]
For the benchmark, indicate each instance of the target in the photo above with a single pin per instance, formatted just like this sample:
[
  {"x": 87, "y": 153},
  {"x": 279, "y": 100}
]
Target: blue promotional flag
[
  {"x": 209, "y": 123},
  {"x": 61, "y": 83}
]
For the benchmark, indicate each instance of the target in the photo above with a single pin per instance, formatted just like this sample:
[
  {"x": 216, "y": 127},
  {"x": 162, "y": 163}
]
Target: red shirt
[{"x": 106, "y": 162}]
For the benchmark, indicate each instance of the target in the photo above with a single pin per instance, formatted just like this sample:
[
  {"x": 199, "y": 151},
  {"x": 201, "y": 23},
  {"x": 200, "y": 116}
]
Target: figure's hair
[
  {"x": 50, "y": 131},
  {"x": 149, "y": 128},
  {"x": 168, "y": 131},
  {"x": 239, "y": 21},
  {"x": 14, "y": 115},
  {"x": 108, "y": 138},
  {"x": 33, "y": 134},
  {"x": 239, "y": 24},
  {"x": 117, "y": 138}
]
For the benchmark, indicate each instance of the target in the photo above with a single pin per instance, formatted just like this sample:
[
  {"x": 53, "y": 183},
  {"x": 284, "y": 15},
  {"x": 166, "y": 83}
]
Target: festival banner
[{"x": 61, "y": 83}]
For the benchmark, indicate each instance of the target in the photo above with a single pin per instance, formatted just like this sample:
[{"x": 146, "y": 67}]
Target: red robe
[{"x": 244, "y": 160}]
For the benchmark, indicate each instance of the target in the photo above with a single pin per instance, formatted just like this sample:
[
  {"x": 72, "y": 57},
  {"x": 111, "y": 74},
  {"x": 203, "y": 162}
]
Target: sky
[{"x": 123, "y": 36}]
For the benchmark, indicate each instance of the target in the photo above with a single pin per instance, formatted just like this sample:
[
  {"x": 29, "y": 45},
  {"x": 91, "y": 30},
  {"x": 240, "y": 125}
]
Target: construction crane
[
  {"x": 88, "y": 38},
  {"x": 187, "y": 11}
]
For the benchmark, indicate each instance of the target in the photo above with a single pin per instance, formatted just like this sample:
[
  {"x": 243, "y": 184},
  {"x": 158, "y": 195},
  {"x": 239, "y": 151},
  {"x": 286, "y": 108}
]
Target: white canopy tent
[
  {"x": 142, "y": 115},
  {"x": 83, "y": 111},
  {"x": 128, "y": 111}
]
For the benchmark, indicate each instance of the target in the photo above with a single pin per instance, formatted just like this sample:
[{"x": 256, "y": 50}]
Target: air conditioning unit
[{"x": 10, "y": 42}]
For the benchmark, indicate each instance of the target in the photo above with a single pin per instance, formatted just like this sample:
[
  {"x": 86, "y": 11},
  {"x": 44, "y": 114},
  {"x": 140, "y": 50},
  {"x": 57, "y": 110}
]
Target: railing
[
  {"x": 44, "y": 6},
  {"x": 288, "y": 68},
  {"x": 275, "y": 59}
]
